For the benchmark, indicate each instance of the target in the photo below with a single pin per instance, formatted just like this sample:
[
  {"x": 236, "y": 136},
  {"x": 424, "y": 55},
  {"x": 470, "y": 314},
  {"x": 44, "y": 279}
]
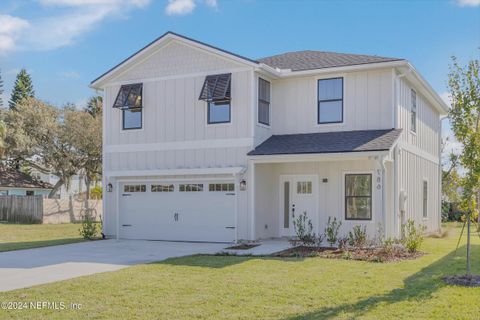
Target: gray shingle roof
[
  {"x": 308, "y": 60},
  {"x": 15, "y": 179},
  {"x": 328, "y": 142}
]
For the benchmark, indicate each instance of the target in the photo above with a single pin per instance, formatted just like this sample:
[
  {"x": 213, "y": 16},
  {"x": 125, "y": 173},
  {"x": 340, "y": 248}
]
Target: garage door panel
[{"x": 178, "y": 215}]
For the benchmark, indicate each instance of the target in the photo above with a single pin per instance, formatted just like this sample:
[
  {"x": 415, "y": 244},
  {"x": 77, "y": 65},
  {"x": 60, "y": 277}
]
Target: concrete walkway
[
  {"x": 26, "y": 268},
  {"x": 266, "y": 247}
]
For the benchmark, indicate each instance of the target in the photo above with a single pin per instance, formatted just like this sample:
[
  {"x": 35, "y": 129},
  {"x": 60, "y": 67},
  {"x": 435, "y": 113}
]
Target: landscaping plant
[
  {"x": 304, "y": 230},
  {"x": 412, "y": 236},
  {"x": 358, "y": 236},
  {"x": 89, "y": 228},
  {"x": 332, "y": 229}
]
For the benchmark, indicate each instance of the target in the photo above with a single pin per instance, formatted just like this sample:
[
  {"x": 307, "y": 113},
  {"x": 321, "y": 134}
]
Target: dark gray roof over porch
[{"x": 328, "y": 142}]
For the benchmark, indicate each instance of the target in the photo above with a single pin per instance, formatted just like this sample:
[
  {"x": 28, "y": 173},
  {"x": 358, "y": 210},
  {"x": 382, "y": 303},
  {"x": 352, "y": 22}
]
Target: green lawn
[
  {"x": 213, "y": 287},
  {"x": 26, "y": 236}
]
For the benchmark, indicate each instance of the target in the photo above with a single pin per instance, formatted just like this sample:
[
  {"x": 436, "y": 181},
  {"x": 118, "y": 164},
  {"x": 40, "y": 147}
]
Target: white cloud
[
  {"x": 211, "y": 3},
  {"x": 180, "y": 7},
  {"x": 468, "y": 3},
  {"x": 10, "y": 30},
  {"x": 75, "y": 18}
]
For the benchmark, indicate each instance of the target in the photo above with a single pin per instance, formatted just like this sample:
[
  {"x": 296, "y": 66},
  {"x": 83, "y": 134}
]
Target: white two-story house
[{"x": 201, "y": 144}]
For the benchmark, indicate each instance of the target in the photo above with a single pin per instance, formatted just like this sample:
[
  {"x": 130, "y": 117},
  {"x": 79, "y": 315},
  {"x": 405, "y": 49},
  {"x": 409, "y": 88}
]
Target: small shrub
[
  {"x": 89, "y": 228},
  {"x": 358, "y": 236},
  {"x": 331, "y": 231},
  {"x": 342, "y": 242},
  {"x": 319, "y": 240},
  {"x": 388, "y": 246},
  {"x": 412, "y": 236},
  {"x": 347, "y": 255},
  {"x": 304, "y": 230}
]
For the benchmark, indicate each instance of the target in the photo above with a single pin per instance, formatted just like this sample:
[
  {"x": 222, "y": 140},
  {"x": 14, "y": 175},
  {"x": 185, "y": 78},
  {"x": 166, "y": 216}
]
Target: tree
[
  {"x": 464, "y": 84},
  {"x": 1, "y": 90},
  {"x": 3, "y": 135},
  {"x": 86, "y": 138},
  {"x": 22, "y": 89},
  {"x": 95, "y": 106},
  {"x": 53, "y": 140}
]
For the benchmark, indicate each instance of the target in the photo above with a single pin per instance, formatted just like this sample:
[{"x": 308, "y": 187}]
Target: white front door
[{"x": 298, "y": 195}]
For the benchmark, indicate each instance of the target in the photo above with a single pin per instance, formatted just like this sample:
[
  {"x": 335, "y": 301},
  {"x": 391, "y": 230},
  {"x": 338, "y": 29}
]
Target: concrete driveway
[{"x": 26, "y": 268}]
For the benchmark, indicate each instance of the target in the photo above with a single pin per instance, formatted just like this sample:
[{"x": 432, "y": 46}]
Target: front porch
[
  {"x": 345, "y": 175},
  {"x": 283, "y": 190}
]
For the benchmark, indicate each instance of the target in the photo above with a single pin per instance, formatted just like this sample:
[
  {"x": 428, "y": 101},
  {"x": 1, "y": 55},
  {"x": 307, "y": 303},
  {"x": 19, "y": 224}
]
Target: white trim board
[
  {"x": 180, "y": 145},
  {"x": 177, "y": 76},
  {"x": 418, "y": 152},
  {"x": 174, "y": 172},
  {"x": 341, "y": 156}
]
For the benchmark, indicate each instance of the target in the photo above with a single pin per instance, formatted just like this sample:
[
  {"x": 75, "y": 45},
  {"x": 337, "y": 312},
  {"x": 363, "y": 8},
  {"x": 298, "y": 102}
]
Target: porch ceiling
[{"x": 328, "y": 142}]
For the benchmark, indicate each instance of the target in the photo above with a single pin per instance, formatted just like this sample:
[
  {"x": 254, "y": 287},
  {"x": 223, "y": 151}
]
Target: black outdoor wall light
[
  {"x": 243, "y": 185},
  {"x": 109, "y": 187}
]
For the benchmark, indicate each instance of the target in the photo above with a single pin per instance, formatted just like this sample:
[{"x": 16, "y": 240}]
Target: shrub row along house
[{"x": 201, "y": 144}]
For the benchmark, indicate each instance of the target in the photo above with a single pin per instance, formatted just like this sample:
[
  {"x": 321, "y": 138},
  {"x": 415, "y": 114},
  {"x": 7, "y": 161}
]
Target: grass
[
  {"x": 235, "y": 287},
  {"x": 27, "y": 236}
]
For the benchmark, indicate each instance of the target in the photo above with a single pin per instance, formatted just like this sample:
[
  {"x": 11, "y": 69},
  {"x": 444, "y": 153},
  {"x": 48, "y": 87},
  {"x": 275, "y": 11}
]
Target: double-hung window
[
  {"x": 216, "y": 92},
  {"x": 358, "y": 196},
  {"x": 129, "y": 100},
  {"x": 263, "y": 101},
  {"x": 413, "y": 115},
  {"x": 330, "y": 101}
]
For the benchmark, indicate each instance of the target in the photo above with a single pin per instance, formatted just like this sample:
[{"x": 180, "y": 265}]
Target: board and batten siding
[
  {"x": 331, "y": 196},
  {"x": 368, "y": 103},
  {"x": 173, "y": 113},
  {"x": 419, "y": 157}
]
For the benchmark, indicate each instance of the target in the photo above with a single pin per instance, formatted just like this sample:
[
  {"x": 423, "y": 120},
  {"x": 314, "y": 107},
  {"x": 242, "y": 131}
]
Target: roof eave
[
  {"x": 288, "y": 73},
  {"x": 431, "y": 94},
  {"x": 307, "y": 157},
  {"x": 98, "y": 83}
]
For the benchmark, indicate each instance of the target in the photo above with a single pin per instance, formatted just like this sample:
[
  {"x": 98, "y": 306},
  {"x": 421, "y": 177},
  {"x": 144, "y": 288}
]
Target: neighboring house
[
  {"x": 76, "y": 187},
  {"x": 201, "y": 144},
  {"x": 17, "y": 183}
]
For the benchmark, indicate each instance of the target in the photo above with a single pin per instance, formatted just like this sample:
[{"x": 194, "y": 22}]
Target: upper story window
[
  {"x": 413, "y": 119},
  {"x": 216, "y": 91},
  {"x": 358, "y": 196},
  {"x": 129, "y": 100},
  {"x": 330, "y": 100},
  {"x": 263, "y": 101},
  {"x": 218, "y": 112}
]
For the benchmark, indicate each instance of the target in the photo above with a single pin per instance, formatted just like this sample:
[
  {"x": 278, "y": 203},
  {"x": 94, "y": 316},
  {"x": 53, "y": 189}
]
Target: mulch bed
[
  {"x": 243, "y": 246},
  {"x": 463, "y": 280},
  {"x": 362, "y": 254}
]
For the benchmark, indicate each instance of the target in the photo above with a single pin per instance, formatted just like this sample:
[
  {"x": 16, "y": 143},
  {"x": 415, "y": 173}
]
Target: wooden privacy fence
[
  {"x": 21, "y": 209},
  {"x": 36, "y": 209}
]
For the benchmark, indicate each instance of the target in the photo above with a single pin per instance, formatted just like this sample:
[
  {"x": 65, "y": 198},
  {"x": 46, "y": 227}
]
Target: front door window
[{"x": 298, "y": 196}]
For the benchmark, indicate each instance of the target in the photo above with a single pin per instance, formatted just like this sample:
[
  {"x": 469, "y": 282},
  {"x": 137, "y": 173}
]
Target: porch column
[
  {"x": 381, "y": 162},
  {"x": 117, "y": 202},
  {"x": 251, "y": 196}
]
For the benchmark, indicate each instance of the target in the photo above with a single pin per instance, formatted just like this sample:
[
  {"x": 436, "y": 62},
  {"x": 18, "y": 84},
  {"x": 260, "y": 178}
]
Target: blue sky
[{"x": 67, "y": 43}]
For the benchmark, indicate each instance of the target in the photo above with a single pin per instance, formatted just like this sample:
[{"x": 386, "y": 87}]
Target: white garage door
[{"x": 183, "y": 211}]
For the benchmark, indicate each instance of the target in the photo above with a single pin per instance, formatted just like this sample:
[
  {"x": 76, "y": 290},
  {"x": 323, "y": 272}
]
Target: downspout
[
  {"x": 117, "y": 209},
  {"x": 237, "y": 191},
  {"x": 396, "y": 152}
]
